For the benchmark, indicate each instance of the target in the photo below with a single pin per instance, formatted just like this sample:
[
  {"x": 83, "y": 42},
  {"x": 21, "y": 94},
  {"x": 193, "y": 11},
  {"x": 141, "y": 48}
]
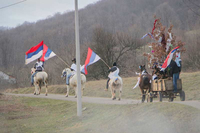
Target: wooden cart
[{"x": 163, "y": 88}]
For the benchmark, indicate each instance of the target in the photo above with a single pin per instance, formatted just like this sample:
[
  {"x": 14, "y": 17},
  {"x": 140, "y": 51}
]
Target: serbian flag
[
  {"x": 92, "y": 57},
  {"x": 34, "y": 53},
  {"x": 47, "y": 53},
  {"x": 169, "y": 58}
]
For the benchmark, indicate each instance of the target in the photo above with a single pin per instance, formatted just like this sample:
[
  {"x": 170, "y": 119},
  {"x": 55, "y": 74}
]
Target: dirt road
[{"x": 195, "y": 104}]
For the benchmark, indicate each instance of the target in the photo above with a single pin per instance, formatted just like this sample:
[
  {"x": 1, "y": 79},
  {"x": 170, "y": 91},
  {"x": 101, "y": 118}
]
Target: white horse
[
  {"x": 116, "y": 83},
  {"x": 73, "y": 81},
  {"x": 39, "y": 78}
]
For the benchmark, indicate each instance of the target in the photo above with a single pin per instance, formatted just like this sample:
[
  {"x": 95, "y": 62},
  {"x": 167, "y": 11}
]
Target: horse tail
[{"x": 83, "y": 79}]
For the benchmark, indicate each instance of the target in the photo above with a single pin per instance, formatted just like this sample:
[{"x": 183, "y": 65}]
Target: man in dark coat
[{"x": 174, "y": 72}]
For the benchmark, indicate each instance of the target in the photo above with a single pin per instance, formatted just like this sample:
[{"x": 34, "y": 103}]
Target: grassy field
[
  {"x": 190, "y": 83},
  {"x": 32, "y": 115}
]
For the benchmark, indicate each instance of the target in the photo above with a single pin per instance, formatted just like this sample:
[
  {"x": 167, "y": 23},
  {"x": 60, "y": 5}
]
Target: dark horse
[{"x": 145, "y": 82}]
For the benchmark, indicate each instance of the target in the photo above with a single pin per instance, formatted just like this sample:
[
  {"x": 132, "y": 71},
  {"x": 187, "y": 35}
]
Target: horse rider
[
  {"x": 39, "y": 66},
  {"x": 113, "y": 72},
  {"x": 73, "y": 69}
]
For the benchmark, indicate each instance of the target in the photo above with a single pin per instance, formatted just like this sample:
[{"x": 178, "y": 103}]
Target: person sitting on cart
[
  {"x": 174, "y": 72},
  {"x": 178, "y": 60}
]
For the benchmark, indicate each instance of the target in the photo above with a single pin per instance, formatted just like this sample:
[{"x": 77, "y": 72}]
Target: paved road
[{"x": 99, "y": 100}]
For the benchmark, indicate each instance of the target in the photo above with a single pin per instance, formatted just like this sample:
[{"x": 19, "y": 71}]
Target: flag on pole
[
  {"x": 169, "y": 58},
  {"x": 47, "y": 53},
  {"x": 34, "y": 53},
  {"x": 92, "y": 57}
]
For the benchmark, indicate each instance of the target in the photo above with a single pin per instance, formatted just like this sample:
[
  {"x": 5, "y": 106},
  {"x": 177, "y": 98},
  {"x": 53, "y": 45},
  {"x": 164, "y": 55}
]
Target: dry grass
[{"x": 24, "y": 115}]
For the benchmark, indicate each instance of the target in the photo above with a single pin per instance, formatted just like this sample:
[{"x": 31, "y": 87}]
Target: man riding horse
[
  {"x": 113, "y": 72},
  {"x": 73, "y": 69},
  {"x": 39, "y": 66}
]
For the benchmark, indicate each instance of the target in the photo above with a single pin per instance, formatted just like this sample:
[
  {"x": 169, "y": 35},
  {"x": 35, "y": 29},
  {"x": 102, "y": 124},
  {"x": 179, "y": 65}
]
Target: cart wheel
[
  {"x": 143, "y": 98},
  {"x": 149, "y": 98},
  {"x": 160, "y": 96},
  {"x": 182, "y": 96}
]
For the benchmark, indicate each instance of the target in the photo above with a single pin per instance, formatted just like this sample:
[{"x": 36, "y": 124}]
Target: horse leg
[
  {"x": 114, "y": 97},
  {"x": 143, "y": 95},
  {"x": 83, "y": 87},
  {"x": 67, "y": 94},
  {"x": 37, "y": 88},
  {"x": 76, "y": 90},
  {"x": 35, "y": 91},
  {"x": 120, "y": 94},
  {"x": 46, "y": 88},
  {"x": 40, "y": 88},
  {"x": 142, "y": 91},
  {"x": 111, "y": 92}
]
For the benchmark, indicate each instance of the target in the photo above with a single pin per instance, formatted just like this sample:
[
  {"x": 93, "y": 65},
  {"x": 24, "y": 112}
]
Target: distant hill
[
  {"x": 128, "y": 16},
  {"x": 3, "y": 28}
]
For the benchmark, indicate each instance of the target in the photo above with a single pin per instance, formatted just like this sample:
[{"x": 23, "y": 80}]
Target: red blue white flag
[
  {"x": 47, "y": 53},
  {"x": 34, "y": 53},
  {"x": 169, "y": 58},
  {"x": 92, "y": 57}
]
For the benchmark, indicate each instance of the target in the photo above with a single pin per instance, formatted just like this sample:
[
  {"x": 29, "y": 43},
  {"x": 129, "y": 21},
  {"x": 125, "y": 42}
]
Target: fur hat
[
  {"x": 74, "y": 59},
  {"x": 114, "y": 64}
]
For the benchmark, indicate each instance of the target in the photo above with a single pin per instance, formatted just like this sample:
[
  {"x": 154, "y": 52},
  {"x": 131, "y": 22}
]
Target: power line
[{"x": 12, "y": 4}]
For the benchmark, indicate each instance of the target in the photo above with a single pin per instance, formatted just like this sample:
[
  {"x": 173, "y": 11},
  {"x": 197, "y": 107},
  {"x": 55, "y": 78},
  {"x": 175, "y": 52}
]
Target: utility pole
[{"x": 79, "y": 103}]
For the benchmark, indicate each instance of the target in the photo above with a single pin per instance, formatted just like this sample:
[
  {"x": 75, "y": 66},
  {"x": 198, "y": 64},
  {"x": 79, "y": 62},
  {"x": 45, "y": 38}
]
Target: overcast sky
[{"x": 33, "y": 10}]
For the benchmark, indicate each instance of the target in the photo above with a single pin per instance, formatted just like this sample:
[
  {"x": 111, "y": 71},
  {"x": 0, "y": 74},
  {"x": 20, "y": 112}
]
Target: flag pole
[
  {"x": 63, "y": 61},
  {"x": 105, "y": 63}
]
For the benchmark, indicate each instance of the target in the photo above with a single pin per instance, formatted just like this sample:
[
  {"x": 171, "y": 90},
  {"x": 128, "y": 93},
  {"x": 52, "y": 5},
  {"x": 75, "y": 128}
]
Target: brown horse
[{"x": 145, "y": 82}]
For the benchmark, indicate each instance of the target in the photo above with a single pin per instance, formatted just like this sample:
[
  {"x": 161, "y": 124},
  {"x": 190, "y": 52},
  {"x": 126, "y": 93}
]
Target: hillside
[{"x": 131, "y": 18}]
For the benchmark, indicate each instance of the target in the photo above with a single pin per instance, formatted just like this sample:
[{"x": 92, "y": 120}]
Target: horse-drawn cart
[{"x": 163, "y": 88}]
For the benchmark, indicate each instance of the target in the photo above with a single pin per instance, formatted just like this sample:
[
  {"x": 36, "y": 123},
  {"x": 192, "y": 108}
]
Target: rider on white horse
[
  {"x": 39, "y": 66},
  {"x": 113, "y": 72},
  {"x": 73, "y": 69}
]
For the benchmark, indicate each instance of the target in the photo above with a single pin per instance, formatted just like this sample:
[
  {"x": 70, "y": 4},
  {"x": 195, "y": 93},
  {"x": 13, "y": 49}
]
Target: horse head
[
  {"x": 65, "y": 72},
  {"x": 33, "y": 70},
  {"x": 142, "y": 69}
]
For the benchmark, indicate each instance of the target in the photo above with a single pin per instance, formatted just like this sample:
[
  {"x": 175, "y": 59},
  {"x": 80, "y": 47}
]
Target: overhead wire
[{"x": 12, "y": 4}]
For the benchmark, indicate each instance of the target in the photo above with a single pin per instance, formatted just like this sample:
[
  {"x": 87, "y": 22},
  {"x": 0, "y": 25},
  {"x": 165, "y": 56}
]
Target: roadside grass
[
  {"x": 190, "y": 84},
  {"x": 22, "y": 114}
]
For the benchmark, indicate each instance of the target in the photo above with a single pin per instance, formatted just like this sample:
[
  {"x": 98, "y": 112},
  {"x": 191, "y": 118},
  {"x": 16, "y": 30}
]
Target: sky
[{"x": 34, "y": 10}]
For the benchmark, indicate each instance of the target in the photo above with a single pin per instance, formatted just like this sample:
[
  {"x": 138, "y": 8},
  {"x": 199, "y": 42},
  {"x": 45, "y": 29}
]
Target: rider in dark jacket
[{"x": 174, "y": 72}]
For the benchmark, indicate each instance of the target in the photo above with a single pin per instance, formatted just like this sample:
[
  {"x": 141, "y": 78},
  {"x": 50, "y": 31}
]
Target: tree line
[{"x": 112, "y": 28}]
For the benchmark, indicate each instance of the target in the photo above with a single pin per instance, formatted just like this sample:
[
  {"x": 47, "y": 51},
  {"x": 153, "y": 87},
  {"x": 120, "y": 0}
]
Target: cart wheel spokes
[{"x": 160, "y": 96}]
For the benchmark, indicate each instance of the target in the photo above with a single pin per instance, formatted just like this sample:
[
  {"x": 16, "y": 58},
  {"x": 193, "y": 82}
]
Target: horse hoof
[
  {"x": 34, "y": 93},
  {"x": 113, "y": 98},
  {"x": 75, "y": 96},
  {"x": 45, "y": 94},
  {"x": 66, "y": 95},
  {"x": 119, "y": 99}
]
